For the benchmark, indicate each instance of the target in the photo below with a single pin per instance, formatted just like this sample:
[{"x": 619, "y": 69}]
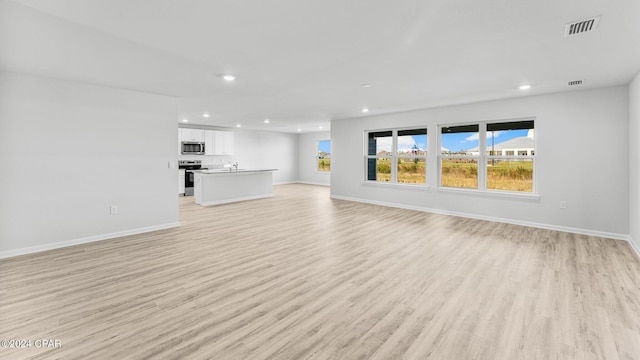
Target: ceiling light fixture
[
  {"x": 185, "y": 120},
  {"x": 205, "y": 115},
  {"x": 299, "y": 130},
  {"x": 366, "y": 85},
  {"x": 365, "y": 110},
  {"x": 320, "y": 127},
  {"x": 266, "y": 121},
  {"x": 525, "y": 87},
  {"x": 228, "y": 78},
  {"x": 238, "y": 125}
]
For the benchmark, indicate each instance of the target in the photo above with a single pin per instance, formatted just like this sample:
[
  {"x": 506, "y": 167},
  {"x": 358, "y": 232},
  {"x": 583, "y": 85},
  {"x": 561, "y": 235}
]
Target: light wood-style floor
[{"x": 301, "y": 276}]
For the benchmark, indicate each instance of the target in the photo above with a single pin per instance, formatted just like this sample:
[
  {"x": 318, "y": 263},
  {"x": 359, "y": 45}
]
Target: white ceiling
[{"x": 301, "y": 63}]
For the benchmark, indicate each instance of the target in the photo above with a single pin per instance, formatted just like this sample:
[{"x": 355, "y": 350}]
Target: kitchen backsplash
[{"x": 210, "y": 161}]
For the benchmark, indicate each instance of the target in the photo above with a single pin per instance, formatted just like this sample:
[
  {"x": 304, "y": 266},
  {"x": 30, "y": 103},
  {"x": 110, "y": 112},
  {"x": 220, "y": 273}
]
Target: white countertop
[{"x": 226, "y": 171}]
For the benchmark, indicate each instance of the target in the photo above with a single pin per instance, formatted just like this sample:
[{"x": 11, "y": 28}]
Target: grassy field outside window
[
  {"x": 492, "y": 156},
  {"x": 510, "y": 175},
  {"x": 397, "y": 155},
  {"x": 461, "y": 173},
  {"x": 323, "y": 159}
]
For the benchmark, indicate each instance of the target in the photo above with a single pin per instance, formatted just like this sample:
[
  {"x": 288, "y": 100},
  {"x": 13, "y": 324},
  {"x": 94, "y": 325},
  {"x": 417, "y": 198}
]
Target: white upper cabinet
[
  {"x": 196, "y": 135},
  {"x": 215, "y": 142},
  {"x": 223, "y": 143},
  {"x": 209, "y": 142}
]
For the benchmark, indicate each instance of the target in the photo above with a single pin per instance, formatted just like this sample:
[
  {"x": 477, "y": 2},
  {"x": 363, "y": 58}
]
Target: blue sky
[
  {"x": 407, "y": 141},
  {"x": 466, "y": 141},
  {"x": 453, "y": 142},
  {"x": 324, "y": 145}
]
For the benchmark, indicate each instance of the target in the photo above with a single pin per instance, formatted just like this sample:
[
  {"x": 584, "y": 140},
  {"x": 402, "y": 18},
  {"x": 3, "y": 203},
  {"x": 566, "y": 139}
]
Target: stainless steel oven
[{"x": 188, "y": 165}]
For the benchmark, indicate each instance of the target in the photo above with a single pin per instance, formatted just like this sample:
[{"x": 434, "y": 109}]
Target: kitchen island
[{"x": 215, "y": 187}]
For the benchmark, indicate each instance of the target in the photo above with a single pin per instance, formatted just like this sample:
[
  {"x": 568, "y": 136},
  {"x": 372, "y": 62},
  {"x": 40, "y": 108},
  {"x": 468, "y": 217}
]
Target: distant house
[{"x": 520, "y": 146}]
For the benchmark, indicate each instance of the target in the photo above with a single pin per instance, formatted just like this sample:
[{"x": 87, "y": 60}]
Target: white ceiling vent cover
[
  {"x": 582, "y": 26},
  {"x": 574, "y": 82}
]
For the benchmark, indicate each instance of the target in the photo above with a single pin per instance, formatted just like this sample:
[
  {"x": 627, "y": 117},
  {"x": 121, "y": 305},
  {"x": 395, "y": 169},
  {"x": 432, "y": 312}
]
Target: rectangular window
[
  {"x": 379, "y": 153},
  {"x": 459, "y": 156},
  {"x": 397, "y": 156},
  {"x": 511, "y": 172},
  {"x": 488, "y": 156},
  {"x": 411, "y": 150},
  {"x": 323, "y": 159}
]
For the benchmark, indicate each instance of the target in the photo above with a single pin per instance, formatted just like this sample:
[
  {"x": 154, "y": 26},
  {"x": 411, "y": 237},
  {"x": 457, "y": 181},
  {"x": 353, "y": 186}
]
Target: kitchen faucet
[{"x": 236, "y": 166}]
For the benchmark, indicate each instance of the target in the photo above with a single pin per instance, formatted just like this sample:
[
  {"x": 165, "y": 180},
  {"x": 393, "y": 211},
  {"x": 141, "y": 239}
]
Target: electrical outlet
[
  {"x": 563, "y": 204},
  {"x": 172, "y": 164},
  {"x": 113, "y": 209}
]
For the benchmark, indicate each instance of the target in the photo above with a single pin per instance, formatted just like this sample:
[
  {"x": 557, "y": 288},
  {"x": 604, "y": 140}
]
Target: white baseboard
[
  {"x": 312, "y": 183},
  {"x": 285, "y": 182},
  {"x": 603, "y": 234},
  {"x": 300, "y": 182},
  {"x": 234, "y": 200},
  {"x": 634, "y": 247},
  {"x": 62, "y": 244}
]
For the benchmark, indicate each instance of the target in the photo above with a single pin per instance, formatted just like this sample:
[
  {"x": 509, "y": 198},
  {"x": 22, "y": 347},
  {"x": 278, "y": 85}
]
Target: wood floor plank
[{"x": 302, "y": 276}]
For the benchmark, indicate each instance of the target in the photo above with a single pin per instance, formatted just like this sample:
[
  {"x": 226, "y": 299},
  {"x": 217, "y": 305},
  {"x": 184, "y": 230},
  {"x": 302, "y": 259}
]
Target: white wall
[
  {"x": 634, "y": 162},
  {"x": 582, "y": 148},
  {"x": 69, "y": 151},
  {"x": 265, "y": 149},
  {"x": 308, "y": 149}
]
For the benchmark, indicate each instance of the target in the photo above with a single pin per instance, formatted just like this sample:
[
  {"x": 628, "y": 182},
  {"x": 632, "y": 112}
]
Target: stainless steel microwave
[{"x": 192, "y": 148}]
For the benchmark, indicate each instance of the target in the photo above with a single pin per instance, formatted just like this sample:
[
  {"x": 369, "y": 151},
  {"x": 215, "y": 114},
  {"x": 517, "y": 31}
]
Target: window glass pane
[
  {"x": 324, "y": 155},
  {"x": 324, "y": 148},
  {"x": 510, "y": 174},
  {"x": 460, "y": 140},
  {"x": 380, "y": 143},
  {"x": 412, "y": 142},
  {"x": 505, "y": 141},
  {"x": 324, "y": 164},
  {"x": 412, "y": 170},
  {"x": 462, "y": 173},
  {"x": 379, "y": 169}
]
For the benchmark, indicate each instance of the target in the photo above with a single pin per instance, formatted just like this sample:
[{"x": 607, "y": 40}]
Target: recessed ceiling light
[
  {"x": 185, "y": 120},
  {"x": 525, "y": 87},
  {"x": 239, "y": 125},
  {"x": 266, "y": 121},
  {"x": 365, "y": 110},
  {"x": 205, "y": 115},
  {"x": 366, "y": 85},
  {"x": 299, "y": 130},
  {"x": 320, "y": 127},
  {"x": 229, "y": 77}
]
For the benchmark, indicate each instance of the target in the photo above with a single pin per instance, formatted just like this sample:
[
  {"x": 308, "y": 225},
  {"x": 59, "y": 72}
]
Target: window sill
[
  {"x": 396, "y": 185},
  {"x": 323, "y": 172},
  {"x": 493, "y": 194},
  {"x": 471, "y": 192}
]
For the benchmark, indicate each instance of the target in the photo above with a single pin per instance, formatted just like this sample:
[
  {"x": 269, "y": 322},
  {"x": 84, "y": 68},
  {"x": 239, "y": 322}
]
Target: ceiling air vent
[
  {"x": 582, "y": 26},
  {"x": 575, "y": 82}
]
